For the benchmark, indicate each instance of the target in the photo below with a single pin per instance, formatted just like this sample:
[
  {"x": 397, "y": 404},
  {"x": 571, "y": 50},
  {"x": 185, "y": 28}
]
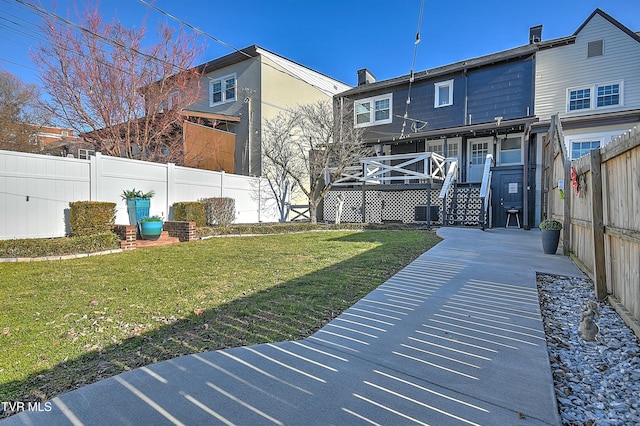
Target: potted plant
[
  {"x": 550, "y": 230},
  {"x": 138, "y": 204},
  {"x": 150, "y": 227}
]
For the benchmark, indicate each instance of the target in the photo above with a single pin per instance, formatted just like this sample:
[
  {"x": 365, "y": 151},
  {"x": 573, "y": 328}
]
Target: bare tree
[
  {"x": 114, "y": 89},
  {"x": 312, "y": 147},
  {"x": 20, "y": 114},
  {"x": 282, "y": 160}
]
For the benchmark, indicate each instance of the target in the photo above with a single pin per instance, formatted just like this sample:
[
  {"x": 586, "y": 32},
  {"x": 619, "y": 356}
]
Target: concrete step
[{"x": 164, "y": 240}]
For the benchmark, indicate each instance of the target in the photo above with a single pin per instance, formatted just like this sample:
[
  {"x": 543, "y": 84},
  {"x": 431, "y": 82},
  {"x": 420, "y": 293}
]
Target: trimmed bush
[
  {"x": 219, "y": 211},
  {"x": 91, "y": 217},
  {"x": 38, "y": 247},
  {"x": 189, "y": 211}
]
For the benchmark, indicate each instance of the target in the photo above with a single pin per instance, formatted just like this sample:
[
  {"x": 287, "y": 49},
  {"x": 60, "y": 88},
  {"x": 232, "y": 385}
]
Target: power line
[
  {"x": 411, "y": 75},
  {"x": 217, "y": 40},
  {"x": 20, "y": 65},
  {"x": 109, "y": 41}
]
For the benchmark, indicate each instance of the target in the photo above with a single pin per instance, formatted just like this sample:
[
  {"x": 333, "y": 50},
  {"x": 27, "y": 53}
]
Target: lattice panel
[
  {"x": 381, "y": 205},
  {"x": 351, "y": 209}
]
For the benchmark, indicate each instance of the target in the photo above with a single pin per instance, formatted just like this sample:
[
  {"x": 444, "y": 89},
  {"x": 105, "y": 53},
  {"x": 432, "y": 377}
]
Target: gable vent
[{"x": 595, "y": 48}]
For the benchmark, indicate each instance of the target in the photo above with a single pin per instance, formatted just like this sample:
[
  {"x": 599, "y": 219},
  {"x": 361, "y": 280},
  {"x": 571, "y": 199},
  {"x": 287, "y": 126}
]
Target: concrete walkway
[{"x": 455, "y": 338}]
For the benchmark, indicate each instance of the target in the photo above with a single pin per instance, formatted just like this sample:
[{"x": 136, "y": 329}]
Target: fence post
[
  {"x": 566, "y": 234},
  {"x": 94, "y": 176},
  {"x": 171, "y": 187},
  {"x": 597, "y": 225}
]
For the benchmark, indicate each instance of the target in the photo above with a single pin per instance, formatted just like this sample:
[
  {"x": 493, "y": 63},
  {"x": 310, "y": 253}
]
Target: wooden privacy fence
[{"x": 601, "y": 216}]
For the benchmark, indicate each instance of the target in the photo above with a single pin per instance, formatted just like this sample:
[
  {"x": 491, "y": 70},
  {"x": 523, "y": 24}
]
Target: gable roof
[
  {"x": 326, "y": 84},
  {"x": 613, "y": 21}
]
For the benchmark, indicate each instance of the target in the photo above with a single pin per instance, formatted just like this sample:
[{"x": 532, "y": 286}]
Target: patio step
[{"x": 164, "y": 240}]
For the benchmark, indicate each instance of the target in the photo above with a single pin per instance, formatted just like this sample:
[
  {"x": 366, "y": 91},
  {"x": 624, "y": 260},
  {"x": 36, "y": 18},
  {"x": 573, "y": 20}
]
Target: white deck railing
[{"x": 395, "y": 168}]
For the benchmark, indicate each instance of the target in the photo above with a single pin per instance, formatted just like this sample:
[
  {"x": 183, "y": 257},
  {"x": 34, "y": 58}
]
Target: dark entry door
[{"x": 507, "y": 193}]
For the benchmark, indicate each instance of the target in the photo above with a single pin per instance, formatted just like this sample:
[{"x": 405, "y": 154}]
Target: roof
[
  {"x": 609, "y": 18},
  {"x": 481, "y": 61},
  {"x": 324, "y": 83},
  {"x": 210, "y": 115},
  {"x": 506, "y": 55}
]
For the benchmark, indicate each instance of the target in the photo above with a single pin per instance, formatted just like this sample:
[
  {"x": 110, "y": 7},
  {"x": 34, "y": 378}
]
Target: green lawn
[{"x": 68, "y": 323}]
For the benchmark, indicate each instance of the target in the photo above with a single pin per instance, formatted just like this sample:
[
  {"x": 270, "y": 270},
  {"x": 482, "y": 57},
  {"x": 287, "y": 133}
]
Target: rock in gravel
[{"x": 597, "y": 382}]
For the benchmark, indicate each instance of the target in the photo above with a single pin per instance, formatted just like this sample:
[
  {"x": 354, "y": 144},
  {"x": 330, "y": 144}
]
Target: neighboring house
[
  {"x": 591, "y": 79},
  {"x": 462, "y": 111},
  {"x": 240, "y": 91},
  {"x": 63, "y": 142},
  {"x": 501, "y": 104}
]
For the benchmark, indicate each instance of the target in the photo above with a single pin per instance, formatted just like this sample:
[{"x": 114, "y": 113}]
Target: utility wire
[
  {"x": 112, "y": 42},
  {"x": 217, "y": 40},
  {"x": 411, "y": 76}
]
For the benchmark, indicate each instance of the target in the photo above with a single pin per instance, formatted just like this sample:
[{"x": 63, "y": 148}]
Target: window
[
  {"x": 84, "y": 154},
  {"x": 373, "y": 111},
  {"x": 511, "y": 151},
  {"x": 222, "y": 90},
  {"x": 594, "y": 97},
  {"x": 580, "y": 148},
  {"x": 579, "y": 99},
  {"x": 479, "y": 151},
  {"x": 443, "y": 94},
  {"x": 595, "y": 48},
  {"x": 608, "y": 95}
]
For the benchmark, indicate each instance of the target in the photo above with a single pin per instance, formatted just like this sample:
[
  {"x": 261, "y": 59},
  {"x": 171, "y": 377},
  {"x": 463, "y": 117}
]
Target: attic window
[{"x": 595, "y": 48}]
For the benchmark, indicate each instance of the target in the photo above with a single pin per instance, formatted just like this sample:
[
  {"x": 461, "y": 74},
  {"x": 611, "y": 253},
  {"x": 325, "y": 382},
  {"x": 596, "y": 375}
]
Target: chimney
[
  {"x": 535, "y": 34},
  {"x": 365, "y": 77}
]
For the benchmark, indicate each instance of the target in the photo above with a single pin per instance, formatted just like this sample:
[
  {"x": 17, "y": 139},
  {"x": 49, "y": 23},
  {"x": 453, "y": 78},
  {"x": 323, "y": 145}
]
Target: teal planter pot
[
  {"x": 137, "y": 208},
  {"x": 150, "y": 230}
]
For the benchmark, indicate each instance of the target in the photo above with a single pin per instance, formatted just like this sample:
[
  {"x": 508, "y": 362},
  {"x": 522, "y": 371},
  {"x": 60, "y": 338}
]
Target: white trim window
[
  {"x": 443, "y": 94},
  {"x": 595, "y": 97},
  {"x": 222, "y": 90},
  {"x": 510, "y": 151},
  {"x": 580, "y": 147},
  {"x": 84, "y": 154},
  {"x": 373, "y": 111}
]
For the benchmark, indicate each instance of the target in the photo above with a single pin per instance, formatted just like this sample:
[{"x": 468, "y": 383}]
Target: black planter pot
[{"x": 550, "y": 240}]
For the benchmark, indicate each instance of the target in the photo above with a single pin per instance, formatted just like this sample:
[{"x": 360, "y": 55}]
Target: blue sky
[{"x": 334, "y": 37}]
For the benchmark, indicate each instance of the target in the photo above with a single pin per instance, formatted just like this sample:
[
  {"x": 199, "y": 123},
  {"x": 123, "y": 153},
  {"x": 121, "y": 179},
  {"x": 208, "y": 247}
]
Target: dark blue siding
[
  {"x": 501, "y": 91},
  {"x": 504, "y": 90}
]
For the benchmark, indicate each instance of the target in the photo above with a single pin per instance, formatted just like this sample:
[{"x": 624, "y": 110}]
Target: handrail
[
  {"x": 452, "y": 175},
  {"x": 485, "y": 188}
]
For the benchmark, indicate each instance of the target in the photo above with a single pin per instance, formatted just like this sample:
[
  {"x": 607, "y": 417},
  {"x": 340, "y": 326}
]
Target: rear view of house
[{"x": 486, "y": 118}]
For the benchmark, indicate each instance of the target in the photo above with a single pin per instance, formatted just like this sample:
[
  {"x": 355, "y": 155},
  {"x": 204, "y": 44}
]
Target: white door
[{"x": 478, "y": 150}]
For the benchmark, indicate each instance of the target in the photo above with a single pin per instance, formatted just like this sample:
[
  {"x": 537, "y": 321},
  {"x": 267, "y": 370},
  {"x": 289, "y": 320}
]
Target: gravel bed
[{"x": 596, "y": 382}]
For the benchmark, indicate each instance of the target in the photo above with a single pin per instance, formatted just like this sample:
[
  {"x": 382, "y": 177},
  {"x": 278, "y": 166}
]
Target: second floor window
[
  {"x": 222, "y": 90},
  {"x": 579, "y": 99},
  {"x": 373, "y": 111},
  {"x": 608, "y": 95},
  {"x": 443, "y": 94},
  {"x": 594, "y": 97}
]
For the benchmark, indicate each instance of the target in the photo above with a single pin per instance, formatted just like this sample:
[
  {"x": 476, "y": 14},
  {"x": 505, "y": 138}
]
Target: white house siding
[{"x": 563, "y": 67}]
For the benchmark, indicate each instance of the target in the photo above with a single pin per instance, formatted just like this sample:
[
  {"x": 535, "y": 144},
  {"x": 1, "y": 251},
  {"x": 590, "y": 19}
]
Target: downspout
[
  {"x": 525, "y": 182},
  {"x": 247, "y": 101},
  {"x": 466, "y": 96}
]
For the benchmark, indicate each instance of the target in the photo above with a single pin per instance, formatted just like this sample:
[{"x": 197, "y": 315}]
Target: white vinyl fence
[{"x": 35, "y": 190}]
